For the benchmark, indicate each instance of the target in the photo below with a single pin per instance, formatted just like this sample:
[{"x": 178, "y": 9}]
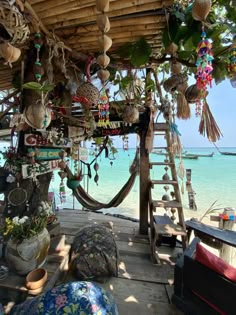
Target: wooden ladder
[{"x": 163, "y": 225}]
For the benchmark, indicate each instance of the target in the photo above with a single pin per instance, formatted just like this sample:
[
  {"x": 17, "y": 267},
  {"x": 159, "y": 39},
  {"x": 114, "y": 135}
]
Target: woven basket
[
  {"x": 89, "y": 93},
  {"x": 14, "y": 22}
]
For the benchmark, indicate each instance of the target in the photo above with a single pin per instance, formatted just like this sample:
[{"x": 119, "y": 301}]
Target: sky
[{"x": 222, "y": 102}]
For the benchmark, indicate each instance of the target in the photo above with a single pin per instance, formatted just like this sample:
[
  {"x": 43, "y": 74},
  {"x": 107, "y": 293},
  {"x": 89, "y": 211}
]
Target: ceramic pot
[{"x": 22, "y": 257}]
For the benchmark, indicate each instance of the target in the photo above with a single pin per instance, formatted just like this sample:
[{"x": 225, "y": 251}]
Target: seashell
[
  {"x": 130, "y": 114},
  {"x": 103, "y": 23},
  {"x": 175, "y": 67},
  {"x": 201, "y": 9},
  {"x": 9, "y": 53},
  {"x": 103, "y": 75},
  {"x": 172, "y": 49},
  {"x": 88, "y": 94},
  {"x": 102, "y": 5},
  {"x": 96, "y": 167},
  {"x": 104, "y": 43},
  {"x": 103, "y": 60}
]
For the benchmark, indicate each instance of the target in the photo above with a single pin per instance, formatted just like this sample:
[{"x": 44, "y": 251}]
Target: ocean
[{"x": 213, "y": 181}]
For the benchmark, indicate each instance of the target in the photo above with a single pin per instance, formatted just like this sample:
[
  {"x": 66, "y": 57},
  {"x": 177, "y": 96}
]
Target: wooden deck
[{"x": 141, "y": 287}]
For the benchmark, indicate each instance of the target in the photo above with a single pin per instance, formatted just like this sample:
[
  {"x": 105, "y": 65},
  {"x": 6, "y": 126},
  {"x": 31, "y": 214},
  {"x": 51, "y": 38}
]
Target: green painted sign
[{"x": 46, "y": 153}]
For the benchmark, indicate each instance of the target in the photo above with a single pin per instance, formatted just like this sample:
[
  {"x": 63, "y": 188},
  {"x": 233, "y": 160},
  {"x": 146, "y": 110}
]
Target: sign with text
[
  {"x": 32, "y": 170},
  {"x": 39, "y": 140},
  {"x": 46, "y": 153}
]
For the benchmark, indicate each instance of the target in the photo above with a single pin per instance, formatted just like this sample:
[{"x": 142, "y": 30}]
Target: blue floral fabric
[{"x": 80, "y": 298}]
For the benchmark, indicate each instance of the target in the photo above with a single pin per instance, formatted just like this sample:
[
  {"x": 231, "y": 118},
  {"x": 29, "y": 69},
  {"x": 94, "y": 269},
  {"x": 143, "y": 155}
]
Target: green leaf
[
  {"x": 141, "y": 52},
  {"x": 47, "y": 87},
  {"x": 32, "y": 86}
]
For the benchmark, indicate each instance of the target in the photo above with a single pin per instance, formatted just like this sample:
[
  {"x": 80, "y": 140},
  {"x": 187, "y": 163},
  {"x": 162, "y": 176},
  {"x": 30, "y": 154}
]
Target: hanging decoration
[
  {"x": 203, "y": 75},
  {"x": 9, "y": 53},
  {"x": 104, "y": 41},
  {"x": 62, "y": 189},
  {"x": 87, "y": 94},
  {"x": 38, "y": 70},
  {"x": 232, "y": 63},
  {"x": 14, "y": 22},
  {"x": 103, "y": 109},
  {"x": 96, "y": 168}
]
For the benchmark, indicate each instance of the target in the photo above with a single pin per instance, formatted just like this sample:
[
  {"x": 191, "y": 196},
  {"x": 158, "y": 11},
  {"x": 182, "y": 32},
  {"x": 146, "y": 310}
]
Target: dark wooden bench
[{"x": 202, "y": 230}]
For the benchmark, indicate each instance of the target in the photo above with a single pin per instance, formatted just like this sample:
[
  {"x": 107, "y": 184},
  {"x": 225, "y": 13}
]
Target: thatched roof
[{"x": 74, "y": 23}]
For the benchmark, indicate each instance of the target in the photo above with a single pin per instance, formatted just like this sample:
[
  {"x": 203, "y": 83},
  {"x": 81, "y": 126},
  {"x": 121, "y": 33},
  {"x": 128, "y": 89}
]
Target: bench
[{"x": 202, "y": 230}]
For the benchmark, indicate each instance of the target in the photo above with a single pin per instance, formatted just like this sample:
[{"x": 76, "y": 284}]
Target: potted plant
[{"x": 27, "y": 242}]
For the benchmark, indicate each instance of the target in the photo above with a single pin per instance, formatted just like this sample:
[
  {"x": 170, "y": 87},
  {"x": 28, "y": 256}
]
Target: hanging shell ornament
[
  {"x": 9, "y": 53},
  {"x": 104, "y": 43},
  {"x": 103, "y": 23},
  {"x": 201, "y": 9},
  {"x": 96, "y": 167},
  {"x": 102, "y": 5},
  {"x": 103, "y": 75},
  {"x": 103, "y": 60},
  {"x": 96, "y": 178},
  {"x": 37, "y": 115}
]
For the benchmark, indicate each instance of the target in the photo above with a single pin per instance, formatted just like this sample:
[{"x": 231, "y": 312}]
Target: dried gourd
[
  {"x": 175, "y": 67},
  {"x": 103, "y": 23},
  {"x": 103, "y": 75},
  {"x": 201, "y": 9},
  {"x": 102, "y": 5},
  {"x": 172, "y": 49},
  {"x": 103, "y": 60},
  {"x": 104, "y": 43},
  {"x": 9, "y": 53}
]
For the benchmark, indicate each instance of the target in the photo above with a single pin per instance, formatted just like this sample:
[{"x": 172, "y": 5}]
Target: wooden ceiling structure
[{"x": 73, "y": 22}]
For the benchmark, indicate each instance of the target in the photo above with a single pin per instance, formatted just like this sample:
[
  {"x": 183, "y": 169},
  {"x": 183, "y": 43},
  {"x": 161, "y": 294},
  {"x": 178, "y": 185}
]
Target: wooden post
[
  {"x": 143, "y": 185},
  {"x": 226, "y": 250}
]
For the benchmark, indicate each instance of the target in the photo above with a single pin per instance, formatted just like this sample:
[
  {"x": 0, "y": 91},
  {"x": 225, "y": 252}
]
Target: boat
[
  {"x": 183, "y": 156},
  {"x": 200, "y": 155},
  {"x": 224, "y": 153}
]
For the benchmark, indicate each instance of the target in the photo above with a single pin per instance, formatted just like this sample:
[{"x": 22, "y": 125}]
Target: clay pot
[
  {"x": 201, "y": 9},
  {"x": 9, "y": 53},
  {"x": 29, "y": 254},
  {"x": 36, "y": 278}
]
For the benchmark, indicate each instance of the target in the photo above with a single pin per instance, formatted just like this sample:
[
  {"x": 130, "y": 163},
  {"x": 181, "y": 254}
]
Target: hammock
[{"x": 88, "y": 202}]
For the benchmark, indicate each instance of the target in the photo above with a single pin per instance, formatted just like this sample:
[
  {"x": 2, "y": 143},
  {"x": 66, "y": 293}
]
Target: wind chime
[
  {"x": 104, "y": 43},
  {"x": 232, "y": 63},
  {"x": 203, "y": 76},
  {"x": 63, "y": 175}
]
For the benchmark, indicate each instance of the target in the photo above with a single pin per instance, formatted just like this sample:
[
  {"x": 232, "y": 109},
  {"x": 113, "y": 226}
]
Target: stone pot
[{"x": 22, "y": 257}]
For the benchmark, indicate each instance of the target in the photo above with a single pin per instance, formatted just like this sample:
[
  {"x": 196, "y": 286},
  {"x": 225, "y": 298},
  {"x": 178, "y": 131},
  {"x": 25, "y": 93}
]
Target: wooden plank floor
[{"x": 141, "y": 287}]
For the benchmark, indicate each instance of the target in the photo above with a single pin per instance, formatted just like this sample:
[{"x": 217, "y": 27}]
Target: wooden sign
[
  {"x": 31, "y": 170},
  {"x": 39, "y": 140},
  {"x": 111, "y": 132},
  {"x": 83, "y": 154},
  {"x": 46, "y": 153}
]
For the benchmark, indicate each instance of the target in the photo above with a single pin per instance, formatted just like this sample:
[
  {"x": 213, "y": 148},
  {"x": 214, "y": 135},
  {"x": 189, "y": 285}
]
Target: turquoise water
[{"x": 213, "y": 179}]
